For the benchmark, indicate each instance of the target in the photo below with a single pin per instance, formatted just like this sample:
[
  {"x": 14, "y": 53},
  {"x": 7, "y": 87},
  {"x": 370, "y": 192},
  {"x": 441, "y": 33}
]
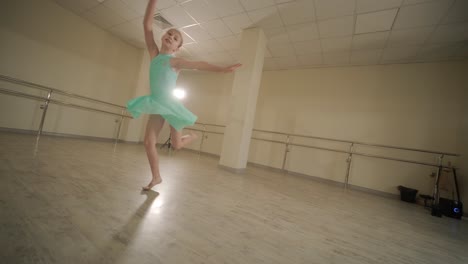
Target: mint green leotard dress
[{"x": 161, "y": 101}]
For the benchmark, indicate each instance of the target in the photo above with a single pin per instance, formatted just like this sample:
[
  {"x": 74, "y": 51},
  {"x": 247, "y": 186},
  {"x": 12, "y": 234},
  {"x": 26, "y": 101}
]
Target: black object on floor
[
  {"x": 451, "y": 208},
  {"x": 442, "y": 206},
  {"x": 407, "y": 194}
]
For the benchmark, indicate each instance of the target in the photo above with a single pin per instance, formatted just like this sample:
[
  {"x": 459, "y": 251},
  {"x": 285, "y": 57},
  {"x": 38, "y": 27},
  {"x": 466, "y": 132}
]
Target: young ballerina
[{"x": 160, "y": 104}]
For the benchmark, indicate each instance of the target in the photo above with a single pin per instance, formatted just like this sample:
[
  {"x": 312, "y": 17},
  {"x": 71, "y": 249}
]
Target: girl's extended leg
[
  {"x": 153, "y": 127},
  {"x": 178, "y": 141}
]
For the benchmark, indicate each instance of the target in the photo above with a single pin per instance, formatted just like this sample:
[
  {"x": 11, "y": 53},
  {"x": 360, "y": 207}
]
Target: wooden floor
[{"x": 79, "y": 201}]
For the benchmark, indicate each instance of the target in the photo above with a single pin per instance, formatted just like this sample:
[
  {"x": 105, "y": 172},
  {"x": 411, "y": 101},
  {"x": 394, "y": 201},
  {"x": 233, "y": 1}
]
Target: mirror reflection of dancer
[{"x": 160, "y": 104}]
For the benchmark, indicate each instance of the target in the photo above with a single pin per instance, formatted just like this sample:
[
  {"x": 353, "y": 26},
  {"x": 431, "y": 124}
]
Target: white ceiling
[{"x": 301, "y": 33}]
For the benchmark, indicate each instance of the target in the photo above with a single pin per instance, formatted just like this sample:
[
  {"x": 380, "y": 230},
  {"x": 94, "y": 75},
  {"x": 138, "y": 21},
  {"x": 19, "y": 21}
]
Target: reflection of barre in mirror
[{"x": 161, "y": 105}]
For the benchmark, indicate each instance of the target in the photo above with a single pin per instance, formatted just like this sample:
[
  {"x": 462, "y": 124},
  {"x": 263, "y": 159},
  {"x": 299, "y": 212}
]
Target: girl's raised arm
[{"x": 148, "y": 29}]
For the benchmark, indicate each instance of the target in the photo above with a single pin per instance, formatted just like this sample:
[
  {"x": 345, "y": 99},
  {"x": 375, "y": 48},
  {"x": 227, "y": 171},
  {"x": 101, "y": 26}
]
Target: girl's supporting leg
[
  {"x": 153, "y": 127},
  {"x": 178, "y": 141}
]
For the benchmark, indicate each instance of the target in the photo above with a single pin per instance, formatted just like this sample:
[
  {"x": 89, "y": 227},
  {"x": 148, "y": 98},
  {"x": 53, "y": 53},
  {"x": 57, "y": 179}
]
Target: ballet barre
[
  {"x": 121, "y": 114},
  {"x": 350, "y": 152}
]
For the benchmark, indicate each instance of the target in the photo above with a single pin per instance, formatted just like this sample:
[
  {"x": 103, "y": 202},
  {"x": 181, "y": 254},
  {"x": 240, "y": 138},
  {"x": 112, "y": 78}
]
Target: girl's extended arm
[
  {"x": 148, "y": 29},
  {"x": 179, "y": 63}
]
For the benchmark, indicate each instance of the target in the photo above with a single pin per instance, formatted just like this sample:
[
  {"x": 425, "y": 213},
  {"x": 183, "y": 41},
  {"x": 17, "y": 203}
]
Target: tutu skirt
[{"x": 170, "y": 109}]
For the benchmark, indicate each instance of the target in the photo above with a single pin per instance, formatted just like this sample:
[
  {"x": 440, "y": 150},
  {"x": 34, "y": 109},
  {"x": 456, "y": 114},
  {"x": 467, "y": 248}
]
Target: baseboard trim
[
  {"x": 375, "y": 192},
  {"x": 233, "y": 170},
  {"x": 201, "y": 152},
  {"x": 273, "y": 169},
  {"x": 18, "y": 131},
  {"x": 327, "y": 181}
]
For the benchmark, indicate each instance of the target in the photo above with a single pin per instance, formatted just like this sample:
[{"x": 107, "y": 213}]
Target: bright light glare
[{"x": 179, "y": 93}]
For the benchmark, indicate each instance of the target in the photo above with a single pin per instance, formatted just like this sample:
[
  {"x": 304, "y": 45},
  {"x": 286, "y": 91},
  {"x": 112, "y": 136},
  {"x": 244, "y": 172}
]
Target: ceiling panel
[
  {"x": 313, "y": 59},
  {"x": 266, "y": 17},
  {"x": 256, "y": 4},
  {"x": 340, "y": 58},
  {"x": 129, "y": 30},
  {"x": 122, "y": 9},
  {"x": 437, "y": 51},
  {"x": 281, "y": 50},
  {"x": 200, "y": 10},
  {"x": 220, "y": 58},
  {"x": 237, "y": 22},
  {"x": 226, "y": 7},
  {"x": 300, "y": 33},
  {"x": 216, "y": 28},
  {"x": 178, "y": 17},
  {"x": 303, "y": 32},
  {"x": 336, "y": 44},
  {"x": 426, "y": 14},
  {"x": 230, "y": 43},
  {"x": 77, "y": 6},
  {"x": 457, "y": 13},
  {"x": 186, "y": 38},
  {"x": 400, "y": 53},
  {"x": 162, "y": 4},
  {"x": 297, "y": 12},
  {"x": 210, "y": 46},
  {"x": 193, "y": 48},
  {"x": 375, "y": 21},
  {"x": 307, "y": 47},
  {"x": 103, "y": 16},
  {"x": 343, "y": 26},
  {"x": 412, "y": 2},
  {"x": 365, "y": 57},
  {"x": 137, "y": 5},
  {"x": 197, "y": 33},
  {"x": 370, "y": 41},
  {"x": 450, "y": 33},
  {"x": 327, "y": 9},
  {"x": 365, "y": 6},
  {"x": 285, "y": 62},
  {"x": 277, "y": 35},
  {"x": 412, "y": 36}
]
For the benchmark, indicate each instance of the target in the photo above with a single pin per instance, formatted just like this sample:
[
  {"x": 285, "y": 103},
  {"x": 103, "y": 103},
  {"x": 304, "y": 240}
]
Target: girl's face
[{"x": 172, "y": 40}]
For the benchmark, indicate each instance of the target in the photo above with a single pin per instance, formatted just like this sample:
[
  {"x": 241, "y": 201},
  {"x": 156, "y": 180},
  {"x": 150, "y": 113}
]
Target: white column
[{"x": 243, "y": 101}]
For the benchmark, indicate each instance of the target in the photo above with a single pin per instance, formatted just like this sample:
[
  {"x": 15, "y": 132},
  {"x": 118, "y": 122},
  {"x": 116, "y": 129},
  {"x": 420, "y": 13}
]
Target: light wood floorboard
[{"x": 79, "y": 201}]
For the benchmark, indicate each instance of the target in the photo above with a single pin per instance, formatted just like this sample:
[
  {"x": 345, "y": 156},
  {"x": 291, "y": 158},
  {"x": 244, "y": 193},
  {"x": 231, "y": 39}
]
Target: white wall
[
  {"x": 464, "y": 147},
  {"x": 409, "y": 105},
  {"x": 43, "y": 43}
]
